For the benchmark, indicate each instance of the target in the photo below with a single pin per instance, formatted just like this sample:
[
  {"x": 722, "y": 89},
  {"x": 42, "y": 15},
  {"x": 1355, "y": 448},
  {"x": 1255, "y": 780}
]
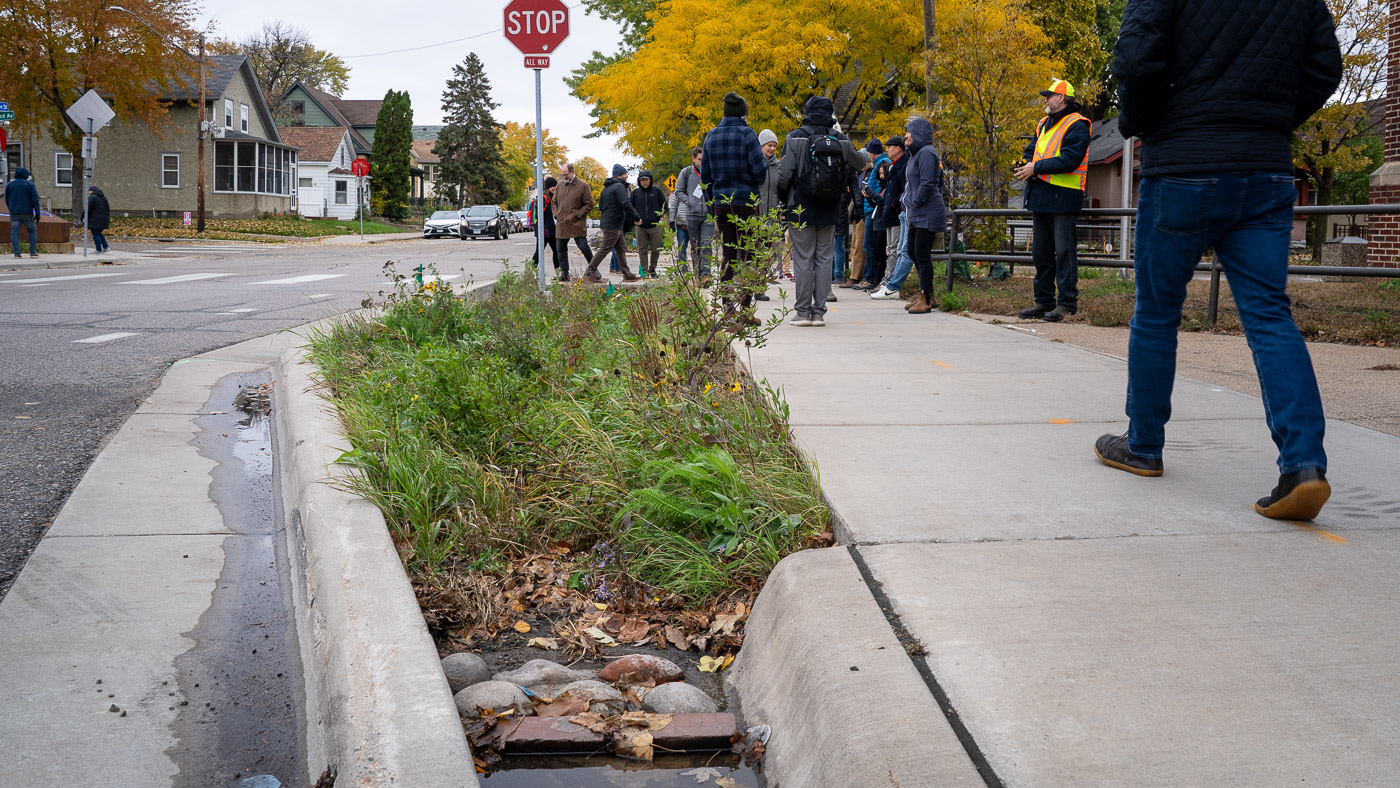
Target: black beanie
[
  {"x": 874, "y": 146},
  {"x": 735, "y": 106},
  {"x": 550, "y": 182}
]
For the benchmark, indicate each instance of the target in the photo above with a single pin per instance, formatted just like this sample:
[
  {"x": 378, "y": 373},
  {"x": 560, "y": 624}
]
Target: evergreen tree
[
  {"x": 473, "y": 169},
  {"x": 393, "y": 154}
]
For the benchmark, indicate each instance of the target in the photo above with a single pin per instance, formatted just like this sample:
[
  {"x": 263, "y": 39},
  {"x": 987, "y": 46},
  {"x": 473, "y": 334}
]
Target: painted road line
[
  {"x": 105, "y": 337},
  {"x": 241, "y": 309},
  {"x": 296, "y": 280},
  {"x": 170, "y": 280},
  {"x": 23, "y": 282},
  {"x": 320, "y": 295}
]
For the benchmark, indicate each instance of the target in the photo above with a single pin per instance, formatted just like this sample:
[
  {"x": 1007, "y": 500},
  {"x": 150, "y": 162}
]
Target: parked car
[
  {"x": 522, "y": 221},
  {"x": 485, "y": 221},
  {"x": 443, "y": 223}
]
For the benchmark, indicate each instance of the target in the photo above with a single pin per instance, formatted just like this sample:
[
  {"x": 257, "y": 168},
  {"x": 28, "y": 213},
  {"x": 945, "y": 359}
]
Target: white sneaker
[
  {"x": 801, "y": 321},
  {"x": 816, "y": 321},
  {"x": 884, "y": 294}
]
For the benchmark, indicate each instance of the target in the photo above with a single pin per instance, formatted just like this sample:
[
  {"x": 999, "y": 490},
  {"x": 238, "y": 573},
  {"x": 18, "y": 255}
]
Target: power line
[{"x": 439, "y": 44}]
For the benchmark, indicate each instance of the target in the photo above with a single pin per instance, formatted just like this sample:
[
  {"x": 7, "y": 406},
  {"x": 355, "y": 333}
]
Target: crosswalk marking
[
  {"x": 319, "y": 295},
  {"x": 105, "y": 337},
  {"x": 296, "y": 280},
  {"x": 170, "y": 280},
  {"x": 60, "y": 278},
  {"x": 237, "y": 311}
]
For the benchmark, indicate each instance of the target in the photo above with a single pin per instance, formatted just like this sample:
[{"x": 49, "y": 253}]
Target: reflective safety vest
[{"x": 1047, "y": 146}]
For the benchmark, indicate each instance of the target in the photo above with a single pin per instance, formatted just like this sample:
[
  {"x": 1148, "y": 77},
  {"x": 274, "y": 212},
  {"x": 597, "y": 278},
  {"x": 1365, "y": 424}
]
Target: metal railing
[{"x": 1125, "y": 261}]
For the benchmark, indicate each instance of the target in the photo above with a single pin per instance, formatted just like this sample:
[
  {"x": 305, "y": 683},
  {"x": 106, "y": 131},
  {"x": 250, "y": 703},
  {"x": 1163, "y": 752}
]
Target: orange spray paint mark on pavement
[
  {"x": 1062, "y": 421},
  {"x": 1325, "y": 534},
  {"x": 944, "y": 365}
]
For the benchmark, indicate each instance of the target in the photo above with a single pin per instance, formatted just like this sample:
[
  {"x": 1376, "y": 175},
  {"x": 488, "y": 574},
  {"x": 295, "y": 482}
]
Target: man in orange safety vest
[{"x": 1056, "y": 169}]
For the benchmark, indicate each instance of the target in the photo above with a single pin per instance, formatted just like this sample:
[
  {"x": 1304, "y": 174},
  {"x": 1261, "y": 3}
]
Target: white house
[{"x": 325, "y": 185}]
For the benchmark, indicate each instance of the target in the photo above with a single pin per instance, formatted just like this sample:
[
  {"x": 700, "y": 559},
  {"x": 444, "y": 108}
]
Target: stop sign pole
[{"x": 536, "y": 28}]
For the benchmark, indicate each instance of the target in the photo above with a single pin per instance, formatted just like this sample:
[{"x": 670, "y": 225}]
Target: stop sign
[
  {"x": 360, "y": 166},
  {"x": 537, "y": 27}
]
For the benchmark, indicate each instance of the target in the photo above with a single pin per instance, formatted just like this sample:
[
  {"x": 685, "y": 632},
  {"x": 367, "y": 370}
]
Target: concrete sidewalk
[
  {"x": 1091, "y": 627},
  {"x": 75, "y": 260}
]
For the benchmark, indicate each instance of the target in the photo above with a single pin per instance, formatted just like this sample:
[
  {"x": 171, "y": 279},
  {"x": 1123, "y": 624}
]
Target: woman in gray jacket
[{"x": 923, "y": 204}]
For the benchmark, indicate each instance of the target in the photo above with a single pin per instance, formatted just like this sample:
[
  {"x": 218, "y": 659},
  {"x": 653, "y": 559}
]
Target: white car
[{"x": 443, "y": 223}]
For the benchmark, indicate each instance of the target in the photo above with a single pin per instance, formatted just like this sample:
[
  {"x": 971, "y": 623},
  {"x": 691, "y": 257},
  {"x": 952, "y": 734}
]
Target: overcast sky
[{"x": 353, "y": 29}]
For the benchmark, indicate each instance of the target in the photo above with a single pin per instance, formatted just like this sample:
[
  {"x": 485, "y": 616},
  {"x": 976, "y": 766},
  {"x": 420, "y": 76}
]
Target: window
[
  {"x": 299, "y": 107},
  {"x": 243, "y": 117},
  {"x": 253, "y": 167},
  {"x": 170, "y": 171},
  {"x": 342, "y": 193},
  {"x": 305, "y": 183},
  {"x": 62, "y": 168},
  {"x": 14, "y": 156},
  {"x": 228, "y": 113}
]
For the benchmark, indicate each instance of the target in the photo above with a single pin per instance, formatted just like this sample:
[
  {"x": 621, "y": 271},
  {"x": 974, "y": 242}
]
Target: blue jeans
[
  {"x": 904, "y": 262},
  {"x": 1246, "y": 218},
  {"x": 698, "y": 236},
  {"x": 838, "y": 260},
  {"x": 874, "y": 251},
  {"x": 29, "y": 223},
  {"x": 99, "y": 241}
]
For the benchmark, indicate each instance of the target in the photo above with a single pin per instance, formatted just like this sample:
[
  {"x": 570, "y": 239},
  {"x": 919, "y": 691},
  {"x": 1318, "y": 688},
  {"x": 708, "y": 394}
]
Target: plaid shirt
[{"x": 733, "y": 168}]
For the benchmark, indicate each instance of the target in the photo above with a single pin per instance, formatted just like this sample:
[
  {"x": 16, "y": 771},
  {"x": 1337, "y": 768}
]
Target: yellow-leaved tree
[
  {"x": 594, "y": 174},
  {"x": 518, "y": 150},
  {"x": 774, "y": 53}
]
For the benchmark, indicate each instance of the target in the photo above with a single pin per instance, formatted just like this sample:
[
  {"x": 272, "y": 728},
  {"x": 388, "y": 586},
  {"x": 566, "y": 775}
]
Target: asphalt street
[{"x": 81, "y": 347}]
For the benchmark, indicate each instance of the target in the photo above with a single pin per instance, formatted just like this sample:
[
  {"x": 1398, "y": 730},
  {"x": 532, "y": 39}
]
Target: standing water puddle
[{"x": 605, "y": 771}]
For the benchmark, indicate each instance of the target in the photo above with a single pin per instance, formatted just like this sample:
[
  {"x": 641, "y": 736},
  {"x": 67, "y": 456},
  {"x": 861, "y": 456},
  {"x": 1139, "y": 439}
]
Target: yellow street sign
[{"x": 671, "y": 184}]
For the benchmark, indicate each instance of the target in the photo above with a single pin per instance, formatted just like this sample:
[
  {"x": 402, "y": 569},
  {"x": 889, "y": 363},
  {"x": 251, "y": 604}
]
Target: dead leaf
[
  {"x": 715, "y": 664},
  {"x": 677, "y": 638},
  {"x": 563, "y": 706},
  {"x": 633, "y": 630},
  {"x": 739, "y": 610},
  {"x": 633, "y": 743},
  {"x": 600, "y": 605},
  {"x": 725, "y": 782},
  {"x": 522, "y": 627},
  {"x": 703, "y": 774},
  {"x": 548, "y": 644},
  {"x": 724, "y": 624},
  {"x": 601, "y": 636}
]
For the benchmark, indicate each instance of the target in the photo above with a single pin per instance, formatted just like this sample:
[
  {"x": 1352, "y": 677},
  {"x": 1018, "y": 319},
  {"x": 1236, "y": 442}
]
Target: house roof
[
  {"x": 429, "y": 133},
  {"x": 217, "y": 76},
  {"x": 423, "y": 152},
  {"x": 318, "y": 143},
  {"x": 360, "y": 112},
  {"x": 1106, "y": 143},
  {"x": 332, "y": 106}
]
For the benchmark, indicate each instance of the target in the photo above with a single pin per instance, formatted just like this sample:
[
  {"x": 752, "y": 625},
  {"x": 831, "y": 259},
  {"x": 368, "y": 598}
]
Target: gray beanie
[{"x": 766, "y": 136}]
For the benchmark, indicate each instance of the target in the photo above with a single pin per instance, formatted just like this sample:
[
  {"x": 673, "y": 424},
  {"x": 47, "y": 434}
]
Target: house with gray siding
[
  {"x": 248, "y": 169},
  {"x": 325, "y": 185}
]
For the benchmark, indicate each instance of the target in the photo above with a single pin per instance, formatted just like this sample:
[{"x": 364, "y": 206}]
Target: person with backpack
[
  {"x": 549, "y": 240},
  {"x": 816, "y": 167},
  {"x": 923, "y": 207},
  {"x": 733, "y": 171},
  {"x": 693, "y": 216},
  {"x": 99, "y": 218},
  {"x": 872, "y": 196},
  {"x": 22, "y": 198},
  {"x": 650, "y": 204},
  {"x": 615, "y": 207}
]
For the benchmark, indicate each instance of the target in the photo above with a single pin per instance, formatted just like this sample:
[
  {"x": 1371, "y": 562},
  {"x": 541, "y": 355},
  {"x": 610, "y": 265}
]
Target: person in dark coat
[
  {"x": 923, "y": 207},
  {"x": 813, "y": 219},
  {"x": 650, "y": 204},
  {"x": 893, "y": 213},
  {"x": 615, "y": 206},
  {"x": 1215, "y": 97},
  {"x": 732, "y": 172},
  {"x": 1056, "y": 171},
  {"x": 22, "y": 200},
  {"x": 550, "y": 241},
  {"x": 99, "y": 218}
]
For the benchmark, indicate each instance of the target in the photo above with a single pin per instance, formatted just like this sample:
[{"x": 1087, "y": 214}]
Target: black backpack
[{"x": 824, "y": 174}]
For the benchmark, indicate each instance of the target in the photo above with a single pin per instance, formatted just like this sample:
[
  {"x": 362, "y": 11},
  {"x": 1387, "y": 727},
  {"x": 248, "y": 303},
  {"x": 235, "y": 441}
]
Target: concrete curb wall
[{"x": 378, "y": 707}]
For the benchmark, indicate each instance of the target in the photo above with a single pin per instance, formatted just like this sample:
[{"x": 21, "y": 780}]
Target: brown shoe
[
  {"x": 921, "y": 306},
  {"x": 631, "y": 278},
  {"x": 750, "y": 320},
  {"x": 592, "y": 276},
  {"x": 848, "y": 284}
]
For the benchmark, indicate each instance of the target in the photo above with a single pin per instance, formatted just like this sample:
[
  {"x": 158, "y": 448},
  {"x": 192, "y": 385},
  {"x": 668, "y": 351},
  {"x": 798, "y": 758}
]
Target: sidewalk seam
[{"x": 920, "y": 660}]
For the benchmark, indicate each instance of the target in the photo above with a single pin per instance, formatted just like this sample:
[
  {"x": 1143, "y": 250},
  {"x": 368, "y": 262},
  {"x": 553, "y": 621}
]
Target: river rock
[
  {"x": 591, "y": 690},
  {"x": 678, "y": 698},
  {"x": 498, "y": 695},
  {"x": 646, "y": 666},
  {"x": 464, "y": 669},
  {"x": 541, "y": 674}
]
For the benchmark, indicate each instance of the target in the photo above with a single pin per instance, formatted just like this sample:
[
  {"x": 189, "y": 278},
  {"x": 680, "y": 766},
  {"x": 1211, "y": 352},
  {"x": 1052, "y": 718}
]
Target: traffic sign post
[
  {"x": 537, "y": 28},
  {"x": 90, "y": 112},
  {"x": 360, "y": 167}
]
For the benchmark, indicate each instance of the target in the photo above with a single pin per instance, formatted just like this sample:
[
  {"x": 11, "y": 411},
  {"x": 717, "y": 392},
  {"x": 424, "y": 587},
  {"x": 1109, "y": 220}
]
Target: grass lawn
[
  {"x": 269, "y": 228},
  {"x": 607, "y": 443},
  {"x": 1357, "y": 311}
]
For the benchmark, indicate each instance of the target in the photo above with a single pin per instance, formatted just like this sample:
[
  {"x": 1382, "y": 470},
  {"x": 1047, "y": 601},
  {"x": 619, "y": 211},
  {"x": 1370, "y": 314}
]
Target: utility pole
[
  {"x": 199, "y": 222},
  {"x": 930, "y": 43}
]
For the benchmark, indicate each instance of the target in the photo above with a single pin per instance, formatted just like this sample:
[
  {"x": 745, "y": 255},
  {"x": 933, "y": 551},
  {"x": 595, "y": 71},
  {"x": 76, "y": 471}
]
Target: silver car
[{"x": 443, "y": 223}]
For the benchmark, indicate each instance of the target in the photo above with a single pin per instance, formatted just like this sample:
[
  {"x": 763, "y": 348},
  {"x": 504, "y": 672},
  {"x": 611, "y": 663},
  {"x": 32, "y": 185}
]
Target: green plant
[{"x": 953, "y": 302}]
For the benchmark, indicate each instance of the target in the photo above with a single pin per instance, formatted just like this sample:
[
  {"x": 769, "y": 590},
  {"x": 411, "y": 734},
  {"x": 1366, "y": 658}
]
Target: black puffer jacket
[
  {"x": 1215, "y": 86},
  {"x": 615, "y": 206},
  {"x": 648, "y": 201},
  {"x": 99, "y": 212}
]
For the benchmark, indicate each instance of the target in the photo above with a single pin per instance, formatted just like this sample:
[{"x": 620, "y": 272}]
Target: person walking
[
  {"x": 99, "y": 218},
  {"x": 1056, "y": 172},
  {"x": 872, "y": 196},
  {"x": 650, "y": 204},
  {"x": 816, "y": 166},
  {"x": 699, "y": 229},
  {"x": 1217, "y": 173},
  {"x": 895, "y": 221},
  {"x": 549, "y": 240},
  {"x": 22, "y": 200},
  {"x": 733, "y": 171},
  {"x": 573, "y": 201},
  {"x": 615, "y": 206},
  {"x": 923, "y": 207}
]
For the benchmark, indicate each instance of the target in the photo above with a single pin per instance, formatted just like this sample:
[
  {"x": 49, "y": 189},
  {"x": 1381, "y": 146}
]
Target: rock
[
  {"x": 464, "y": 670},
  {"x": 591, "y": 690},
  {"x": 678, "y": 698},
  {"x": 539, "y": 674},
  {"x": 498, "y": 695},
  {"x": 645, "y": 666}
]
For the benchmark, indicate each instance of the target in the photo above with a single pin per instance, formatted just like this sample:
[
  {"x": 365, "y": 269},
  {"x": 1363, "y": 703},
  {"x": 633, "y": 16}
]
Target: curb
[{"x": 378, "y": 706}]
